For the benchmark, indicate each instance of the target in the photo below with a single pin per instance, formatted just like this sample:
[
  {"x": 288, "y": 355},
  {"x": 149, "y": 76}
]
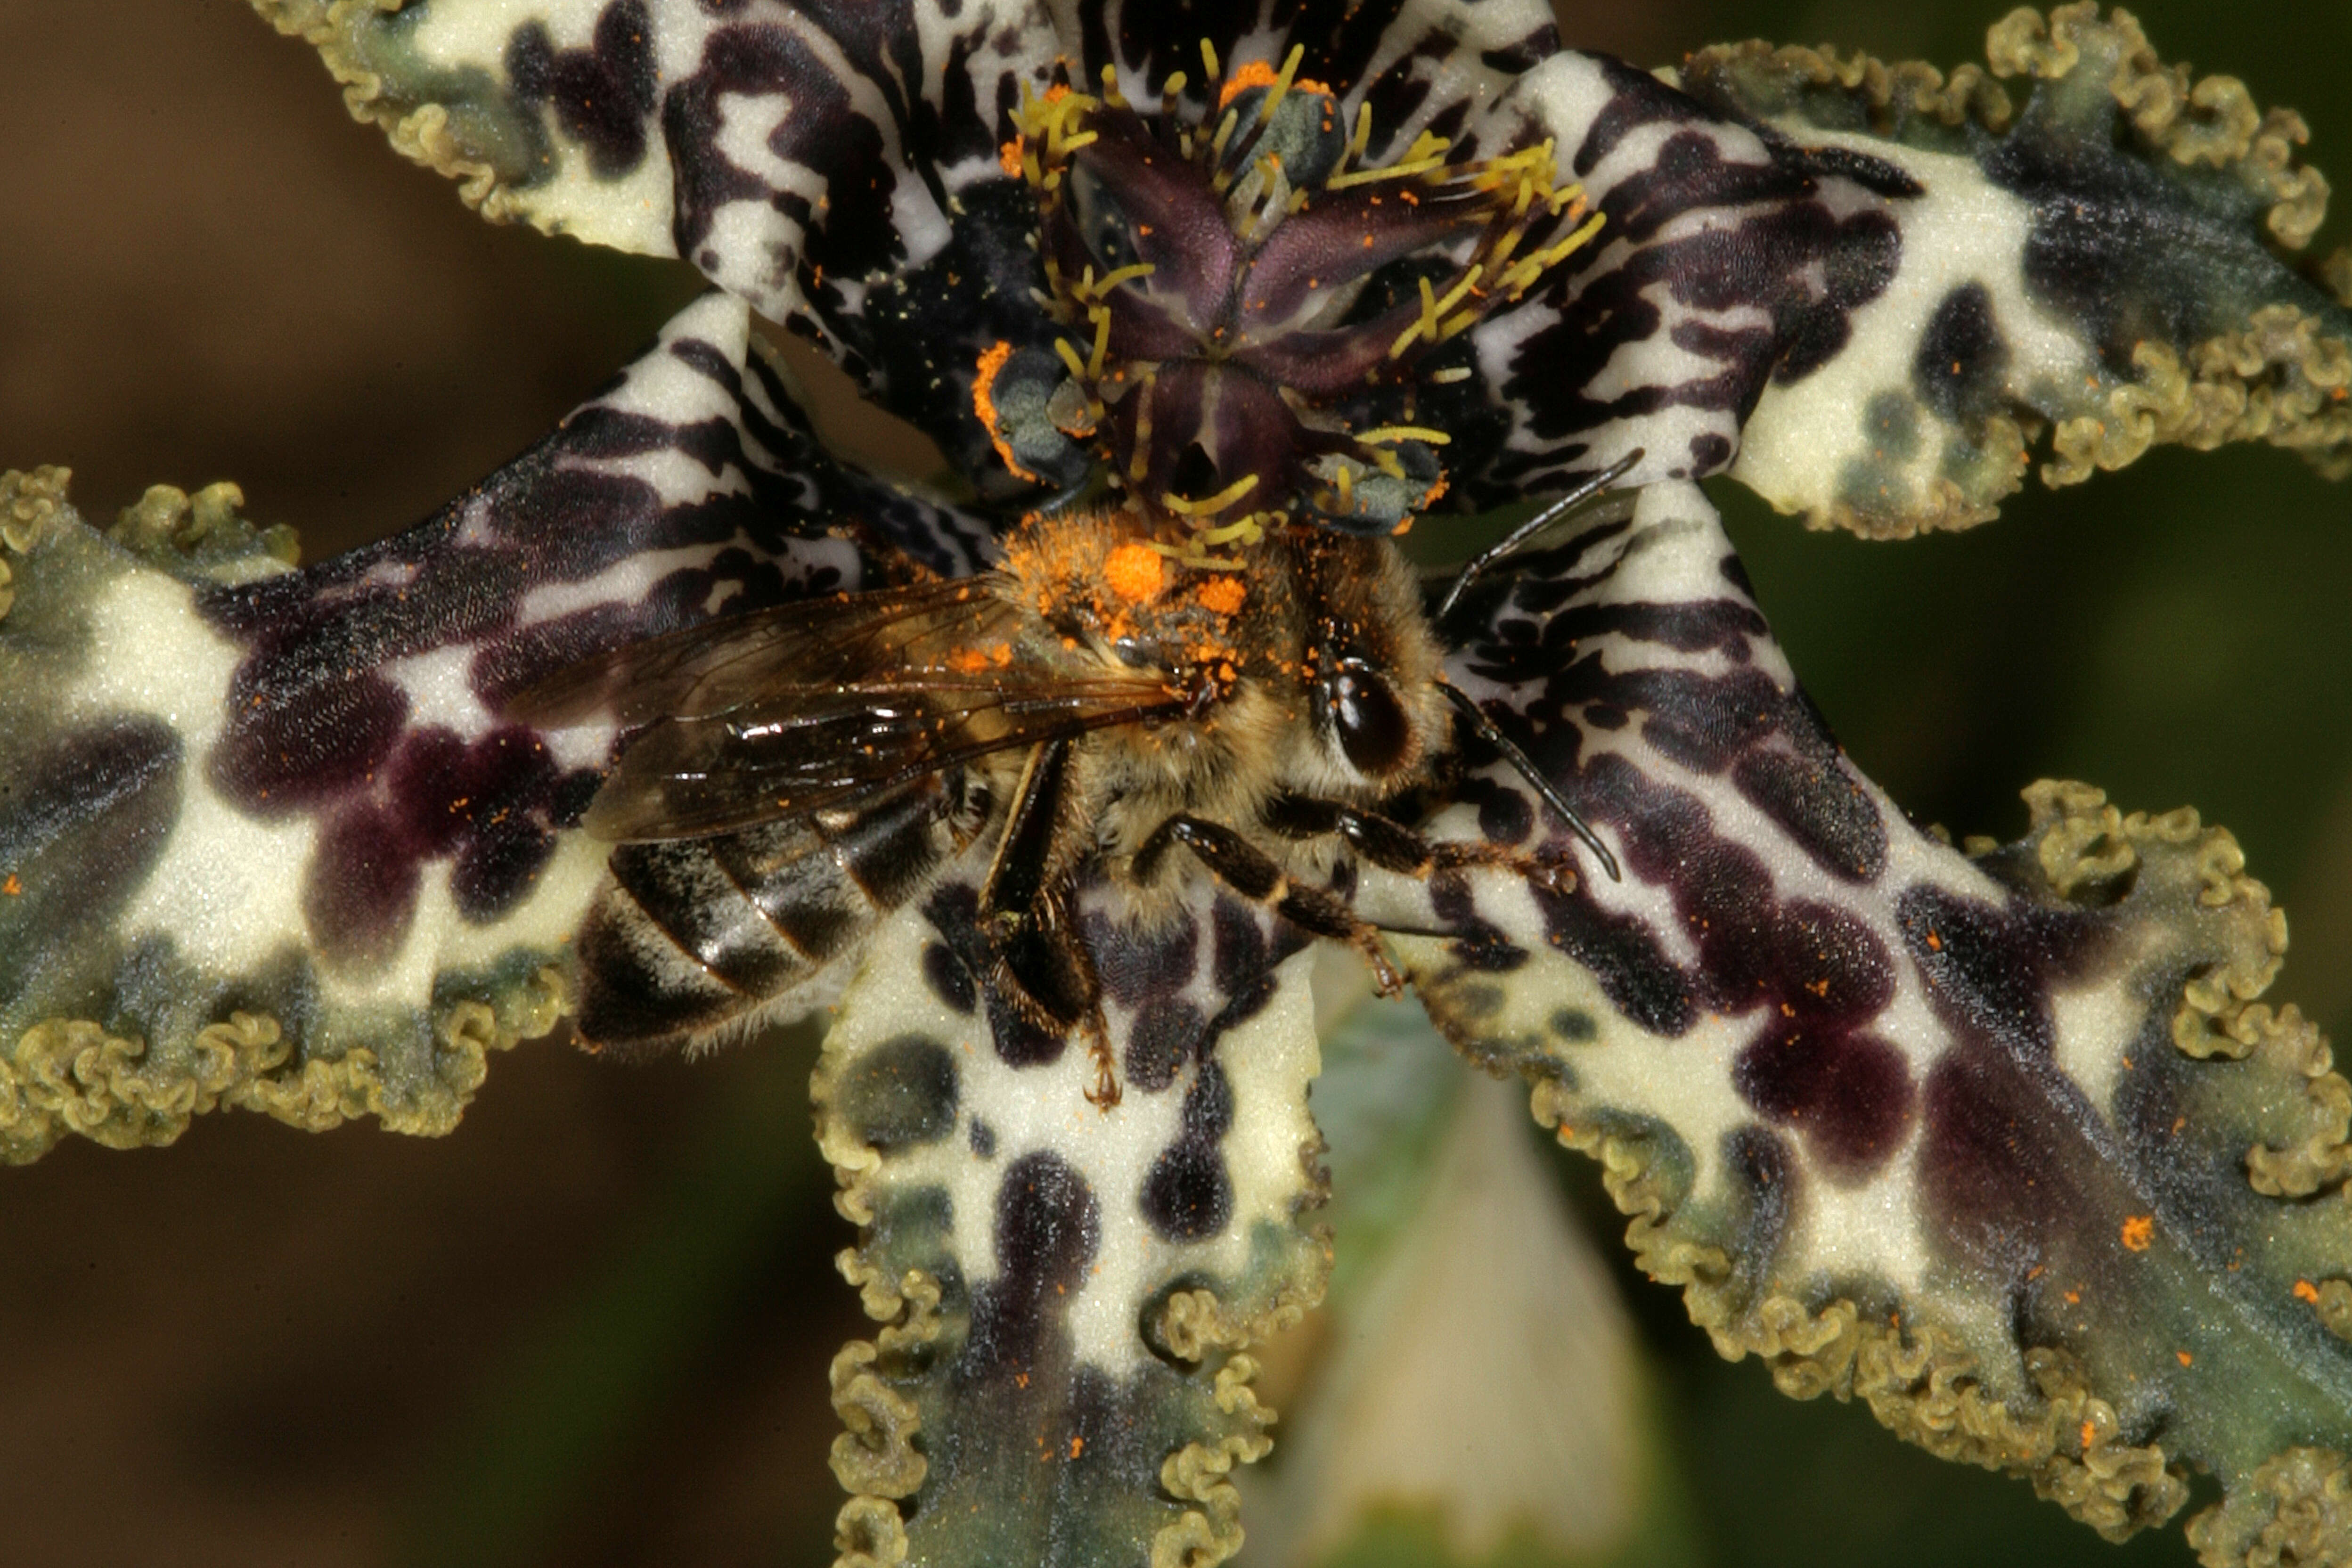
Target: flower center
[{"x": 1249, "y": 310}]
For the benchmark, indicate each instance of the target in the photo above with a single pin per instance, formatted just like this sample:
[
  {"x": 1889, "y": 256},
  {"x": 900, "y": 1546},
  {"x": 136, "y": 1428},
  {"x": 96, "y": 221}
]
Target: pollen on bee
[
  {"x": 974, "y": 660},
  {"x": 1222, "y": 594},
  {"x": 1136, "y": 573}
]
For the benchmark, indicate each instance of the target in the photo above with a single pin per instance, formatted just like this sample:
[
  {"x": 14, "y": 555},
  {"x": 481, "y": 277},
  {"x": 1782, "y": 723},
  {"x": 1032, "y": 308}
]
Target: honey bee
[{"x": 797, "y": 772}]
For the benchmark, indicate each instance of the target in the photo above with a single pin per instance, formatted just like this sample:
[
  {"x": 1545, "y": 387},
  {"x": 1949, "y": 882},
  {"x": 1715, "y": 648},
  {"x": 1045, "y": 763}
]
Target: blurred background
[{"x": 591, "y": 1328}]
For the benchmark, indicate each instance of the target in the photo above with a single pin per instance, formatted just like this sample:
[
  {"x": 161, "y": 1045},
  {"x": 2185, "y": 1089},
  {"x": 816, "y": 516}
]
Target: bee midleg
[
  {"x": 1393, "y": 846},
  {"x": 691, "y": 936},
  {"x": 1254, "y": 873},
  {"x": 1041, "y": 960}
]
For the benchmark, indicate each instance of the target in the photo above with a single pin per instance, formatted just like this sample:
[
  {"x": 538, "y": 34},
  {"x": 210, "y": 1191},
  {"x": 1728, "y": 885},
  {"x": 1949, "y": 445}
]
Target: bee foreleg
[
  {"x": 1249, "y": 872},
  {"x": 1393, "y": 846}
]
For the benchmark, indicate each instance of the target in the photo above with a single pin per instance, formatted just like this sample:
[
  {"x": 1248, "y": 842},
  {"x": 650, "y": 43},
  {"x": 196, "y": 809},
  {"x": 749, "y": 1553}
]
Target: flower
[{"x": 1900, "y": 1050}]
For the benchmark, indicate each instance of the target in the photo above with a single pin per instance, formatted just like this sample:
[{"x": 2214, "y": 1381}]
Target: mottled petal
[
  {"x": 837, "y": 162},
  {"x": 1994, "y": 1141},
  {"x": 266, "y": 836},
  {"x": 2106, "y": 264},
  {"x": 1066, "y": 1290}
]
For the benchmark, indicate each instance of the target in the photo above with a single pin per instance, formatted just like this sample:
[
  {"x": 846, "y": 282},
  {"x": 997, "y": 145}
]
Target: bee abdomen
[{"x": 690, "y": 936}]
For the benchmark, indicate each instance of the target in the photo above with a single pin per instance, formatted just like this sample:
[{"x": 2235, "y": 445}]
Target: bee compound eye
[{"x": 1370, "y": 723}]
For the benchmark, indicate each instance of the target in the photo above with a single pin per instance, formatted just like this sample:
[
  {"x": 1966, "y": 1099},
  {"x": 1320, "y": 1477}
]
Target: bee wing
[
  {"x": 801, "y": 750},
  {"x": 718, "y": 666}
]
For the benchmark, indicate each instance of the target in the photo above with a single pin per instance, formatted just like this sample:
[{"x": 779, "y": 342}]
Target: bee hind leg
[
  {"x": 1041, "y": 962},
  {"x": 1042, "y": 967},
  {"x": 1249, "y": 872}
]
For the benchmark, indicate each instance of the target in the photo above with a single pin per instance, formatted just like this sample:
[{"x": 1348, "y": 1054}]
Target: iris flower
[{"x": 1997, "y": 1139}]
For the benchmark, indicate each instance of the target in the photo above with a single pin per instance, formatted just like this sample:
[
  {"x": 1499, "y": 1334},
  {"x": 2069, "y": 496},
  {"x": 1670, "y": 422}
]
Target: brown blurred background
[{"x": 591, "y": 1327}]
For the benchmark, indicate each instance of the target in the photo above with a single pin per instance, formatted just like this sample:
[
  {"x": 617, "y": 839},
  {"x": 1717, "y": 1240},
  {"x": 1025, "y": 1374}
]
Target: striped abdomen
[{"x": 689, "y": 936}]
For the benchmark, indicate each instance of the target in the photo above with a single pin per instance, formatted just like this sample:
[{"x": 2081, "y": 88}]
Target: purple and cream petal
[
  {"x": 839, "y": 164},
  {"x": 2006, "y": 1125},
  {"x": 2105, "y": 264},
  {"x": 1066, "y": 1290},
  {"x": 286, "y": 802}
]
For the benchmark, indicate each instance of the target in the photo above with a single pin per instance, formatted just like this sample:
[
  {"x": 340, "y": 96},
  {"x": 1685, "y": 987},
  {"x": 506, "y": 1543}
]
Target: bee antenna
[
  {"x": 1512, "y": 542},
  {"x": 1525, "y": 765}
]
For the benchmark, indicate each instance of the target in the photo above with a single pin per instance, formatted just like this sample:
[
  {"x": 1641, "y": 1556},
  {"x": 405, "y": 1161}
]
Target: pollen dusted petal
[
  {"x": 1912, "y": 1124},
  {"x": 780, "y": 149}
]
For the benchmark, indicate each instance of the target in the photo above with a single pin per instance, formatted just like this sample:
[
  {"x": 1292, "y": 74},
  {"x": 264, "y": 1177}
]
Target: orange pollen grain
[
  {"x": 2185, "y": 1357},
  {"x": 983, "y": 406},
  {"x": 2139, "y": 1229},
  {"x": 2089, "y": 1432},
  {"x": 1261, "y": 73},
  {"x": 1222, "y": 594},
  {"x": 2305, "y": 1291},
  {"x": 12, "y": 886},
  {"x": 1136, "y": 573},
  {"x": 1008, "y": 157}
]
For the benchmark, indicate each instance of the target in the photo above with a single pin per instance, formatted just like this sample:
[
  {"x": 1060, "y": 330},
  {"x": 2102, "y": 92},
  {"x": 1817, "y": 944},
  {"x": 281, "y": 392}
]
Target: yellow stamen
[
  {"x": 1431, "y": 323},
  {"x": 1456, "y": 295},
  {"x": 1140, "y": 462},
  {"x": 1450, "y": 374},
  {"x": 1380, "y": 434},
  {"x": 1427, "y": 153},
  {"x": 1119, "y": 275},
  {"x": 1524, "y": 275},
  {"x": 1209, "y": 59},
  {"x": 1100, "y": 315},
  {"x": 1282, "y": 81},
  {"x": 1224, "y": 133},
  {"x": 1215, "y": 503},
  {"x": 1076, "y": 367},
  {"x": 1246, "y": 531}
]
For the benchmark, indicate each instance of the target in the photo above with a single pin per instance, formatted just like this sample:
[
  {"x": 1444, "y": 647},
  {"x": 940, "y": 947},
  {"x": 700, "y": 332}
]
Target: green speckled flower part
[
  {"x": 1068, "y": 1290},
  {"x": 151, "y": 966},
  {"x": 2096, "y": 262},
  {"x": 1999, "y": 1140}
]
